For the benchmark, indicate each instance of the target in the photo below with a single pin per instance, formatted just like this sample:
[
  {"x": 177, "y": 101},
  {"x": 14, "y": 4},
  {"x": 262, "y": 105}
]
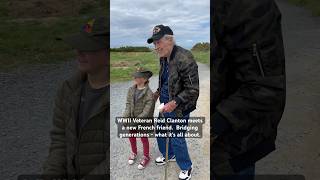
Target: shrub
[{"x": 202, "y": 46}]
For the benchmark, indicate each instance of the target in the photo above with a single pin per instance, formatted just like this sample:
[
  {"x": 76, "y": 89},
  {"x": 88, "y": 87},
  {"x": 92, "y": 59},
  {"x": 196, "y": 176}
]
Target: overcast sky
[{"x": 132, "y": 21}]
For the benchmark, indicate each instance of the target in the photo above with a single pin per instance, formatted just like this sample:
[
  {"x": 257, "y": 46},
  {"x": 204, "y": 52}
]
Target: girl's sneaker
[
  {"x": 132, "y": 158},
  {"x": 144, "y": 162}
]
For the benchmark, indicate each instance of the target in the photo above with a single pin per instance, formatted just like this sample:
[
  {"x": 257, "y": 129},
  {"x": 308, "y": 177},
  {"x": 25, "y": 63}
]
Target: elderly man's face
[
  {"x": 163, "y": 47},
  {"x": 91, "y": 62}
]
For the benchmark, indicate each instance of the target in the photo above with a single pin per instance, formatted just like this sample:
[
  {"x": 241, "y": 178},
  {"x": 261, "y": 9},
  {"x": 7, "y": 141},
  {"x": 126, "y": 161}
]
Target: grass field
[
  {"x": 124, "y": 63},
  {"x": 313, "y": 5},
  {"x": 202, "y": 57},
  {"x": 28, "y": 37},
  {"x": 32, "y": 40}
]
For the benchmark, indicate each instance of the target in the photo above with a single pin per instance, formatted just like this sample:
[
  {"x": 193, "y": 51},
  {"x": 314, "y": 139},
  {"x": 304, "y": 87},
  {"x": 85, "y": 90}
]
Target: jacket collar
[
  {"x": 173, "y": 52},
  {"x": 76, "y": 83},
  {"x": 172, "y": 55},
  {"x": 102, "y": 106},
  {"x": 143, "y": 93}
]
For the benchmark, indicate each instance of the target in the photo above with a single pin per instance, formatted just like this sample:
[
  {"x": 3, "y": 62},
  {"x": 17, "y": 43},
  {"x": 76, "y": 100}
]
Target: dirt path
[
  {"x": 198, "y": 148},
  {"x": 298, "y": 138}
]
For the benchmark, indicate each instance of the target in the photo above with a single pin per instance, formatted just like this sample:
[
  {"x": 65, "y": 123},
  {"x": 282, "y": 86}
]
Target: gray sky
[{"x": 132, "y": 21}]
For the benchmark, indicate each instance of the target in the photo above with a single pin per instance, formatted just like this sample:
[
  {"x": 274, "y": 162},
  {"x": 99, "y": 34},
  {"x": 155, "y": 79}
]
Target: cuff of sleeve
[
  {"x": 177, "y": 100},
  {"x": 220, "y": 124}
]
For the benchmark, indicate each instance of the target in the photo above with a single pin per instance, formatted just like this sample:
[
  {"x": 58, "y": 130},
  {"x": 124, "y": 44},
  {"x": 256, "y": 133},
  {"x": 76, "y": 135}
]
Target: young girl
[{"x": 140, "y": 104}]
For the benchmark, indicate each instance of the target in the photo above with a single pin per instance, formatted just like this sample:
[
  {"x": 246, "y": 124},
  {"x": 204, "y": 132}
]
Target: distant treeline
[
  {"x": 131, "y": 49},
  {"x": 202, "y": 46},
  {"x": 313, "y": 5}
]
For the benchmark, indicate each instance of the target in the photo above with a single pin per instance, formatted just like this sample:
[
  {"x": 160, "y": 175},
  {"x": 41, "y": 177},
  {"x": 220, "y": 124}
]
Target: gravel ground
[
  {"x": 26, "y": 103},
  {"x": 120, "y": 148}
]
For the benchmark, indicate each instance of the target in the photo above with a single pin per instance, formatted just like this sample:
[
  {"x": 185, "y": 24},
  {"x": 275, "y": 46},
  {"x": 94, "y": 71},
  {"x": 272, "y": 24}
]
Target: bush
[
  {"x": 204, "y": 46},
  {"x": 313, "y": 5},
  {"x": 131, "y": 49},
  {"x": 53, "y": 8}
]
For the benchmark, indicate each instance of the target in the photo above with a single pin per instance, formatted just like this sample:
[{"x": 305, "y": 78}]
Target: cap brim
[
  {"x": 83, "y": 42},
  {"x": 146, "y": 74},
  {"x": 154, "y": 38},
  {"x": 137, "y": 75}
]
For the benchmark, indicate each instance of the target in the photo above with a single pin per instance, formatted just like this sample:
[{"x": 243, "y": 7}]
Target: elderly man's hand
[{"x": 170, "y": 106}]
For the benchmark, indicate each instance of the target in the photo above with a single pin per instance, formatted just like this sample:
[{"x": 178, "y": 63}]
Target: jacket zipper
[
  {"x": 256, "y": 54},
  {"x": 78, "y": 144},
  {"x": 169, "y": 80},
  {"x": 190, "y": 80},
  {"x": 160, "y": 76}
]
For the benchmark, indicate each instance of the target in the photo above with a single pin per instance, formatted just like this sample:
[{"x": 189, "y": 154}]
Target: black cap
[
  {"x": 142, "y": 72},
  {"x": 92, "y": 37},
  {"x": 158, "y": 32}
]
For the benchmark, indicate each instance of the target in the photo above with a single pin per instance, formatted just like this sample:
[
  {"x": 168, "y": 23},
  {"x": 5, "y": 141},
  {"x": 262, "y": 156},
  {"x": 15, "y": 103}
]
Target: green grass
[
  {"x": 313, "y": 5},
  {"x": 202, "y": 56},
  {"x": 123, "y": 64},
  {"x": 34, "y": 41},
  {"x": 3, "y": 9},
  {"x": 26, "y": 41}
]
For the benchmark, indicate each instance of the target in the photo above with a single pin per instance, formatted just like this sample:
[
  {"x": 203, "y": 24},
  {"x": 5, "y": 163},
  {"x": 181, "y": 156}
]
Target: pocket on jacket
[
  {"x": 269, "y": 57},
  {"x": 257, "y": 58}
]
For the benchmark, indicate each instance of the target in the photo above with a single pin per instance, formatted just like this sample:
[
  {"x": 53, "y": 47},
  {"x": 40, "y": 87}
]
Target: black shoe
[
  {"x": 162, "y": 161},
  {"x": 185, "y": 174}
]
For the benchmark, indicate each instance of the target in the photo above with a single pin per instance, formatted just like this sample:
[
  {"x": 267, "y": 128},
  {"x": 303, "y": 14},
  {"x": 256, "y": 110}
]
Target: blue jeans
[{"x": 177, "y": 146}]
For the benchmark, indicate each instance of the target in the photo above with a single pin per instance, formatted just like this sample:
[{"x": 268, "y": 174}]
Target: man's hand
[
  {"x": 156, "y": 95},
  {"x": 170, "y": 106}
]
